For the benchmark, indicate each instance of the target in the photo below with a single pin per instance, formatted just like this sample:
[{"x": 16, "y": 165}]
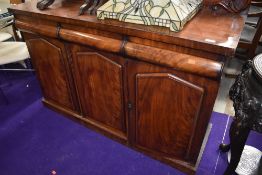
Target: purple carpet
[{"x": 35, "y": 140}]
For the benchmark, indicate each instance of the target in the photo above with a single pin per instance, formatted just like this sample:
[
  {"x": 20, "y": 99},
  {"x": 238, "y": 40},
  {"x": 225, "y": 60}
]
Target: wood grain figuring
[
  {"x": 146, "y": 87},
  {"x": 209, "y": 87},
  {"x": 50, "y": 70},
  {"x": 49, "y": 31},
  {"x": 120, "y": 137},
  {"x": 99, "y": 80},
  {"x": 98, "y": 42},
  {"x": 179, "y": 61},
  {"x": 177, "y": 48},
  {"x": 208, "y": 31},
  {"x": 166, "y": 110}
]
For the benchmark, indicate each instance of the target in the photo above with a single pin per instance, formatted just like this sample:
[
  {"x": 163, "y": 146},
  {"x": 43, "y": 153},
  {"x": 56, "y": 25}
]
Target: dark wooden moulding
[{"x": 146, "y": 87}]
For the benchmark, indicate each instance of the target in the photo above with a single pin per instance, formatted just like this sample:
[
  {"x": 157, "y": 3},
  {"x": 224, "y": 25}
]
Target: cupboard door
[
  {"x": 166, "y": 109},
  {"x": 99, "y": 79},
  {"x": 170, "y": 111},
  {"x": 48, "y": 56}
]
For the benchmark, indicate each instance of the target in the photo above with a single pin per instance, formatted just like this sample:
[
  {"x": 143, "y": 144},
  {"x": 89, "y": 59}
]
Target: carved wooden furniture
[
  {"x": 146, "y": 87},
  {"x": 43, "y": 4},
  {"x": 251, "y": 34},
  {"x": 246, "y": 94},
  {"x": 89, "y": 6},
  {"x": 233, "y": 6}
]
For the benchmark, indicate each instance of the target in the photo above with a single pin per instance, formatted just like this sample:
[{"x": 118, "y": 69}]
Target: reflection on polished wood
[
  {"x": 146, "y": 87},
  {"x": 209, "y": 31}
]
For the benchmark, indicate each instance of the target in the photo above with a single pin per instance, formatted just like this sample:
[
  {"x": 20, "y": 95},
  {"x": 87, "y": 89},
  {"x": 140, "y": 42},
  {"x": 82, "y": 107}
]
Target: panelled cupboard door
[
  {"x": 49, "y": 59},
  {"x": 100, "y": 83},
  {"x": 167, "y": 110}
]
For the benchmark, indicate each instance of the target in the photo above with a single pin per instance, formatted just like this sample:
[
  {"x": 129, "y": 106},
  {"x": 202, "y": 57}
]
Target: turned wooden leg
[
  {"x": 43, "y": 4},
  {"x": 238, "y": 136},
  {"x": 245, "y": 94}
]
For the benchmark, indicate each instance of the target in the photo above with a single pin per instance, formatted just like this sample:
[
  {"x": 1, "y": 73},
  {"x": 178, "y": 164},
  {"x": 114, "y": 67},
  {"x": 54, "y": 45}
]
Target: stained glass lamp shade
[{"x": 168, "y": 13}]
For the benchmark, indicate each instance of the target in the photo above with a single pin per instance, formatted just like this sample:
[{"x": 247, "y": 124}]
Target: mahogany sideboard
[{"x": 146, "y": 87}]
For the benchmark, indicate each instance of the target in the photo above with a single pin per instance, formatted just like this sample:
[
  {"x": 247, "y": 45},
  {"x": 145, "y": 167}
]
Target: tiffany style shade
[{"x": 168, "y": 13}]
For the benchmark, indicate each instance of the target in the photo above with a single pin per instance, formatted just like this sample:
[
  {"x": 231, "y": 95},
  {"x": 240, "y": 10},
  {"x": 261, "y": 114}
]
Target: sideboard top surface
[{"x": 210, "y": 31}]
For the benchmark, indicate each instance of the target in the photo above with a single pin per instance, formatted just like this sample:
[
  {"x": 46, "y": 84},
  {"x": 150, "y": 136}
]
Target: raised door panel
[
  {"x": 167, "y": 109},
  {"x": 99, "y": 79},
  {"x": 48, "y": 60}
]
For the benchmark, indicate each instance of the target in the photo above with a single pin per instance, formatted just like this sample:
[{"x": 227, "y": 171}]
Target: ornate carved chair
[{"x": 246, "y": 94}]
